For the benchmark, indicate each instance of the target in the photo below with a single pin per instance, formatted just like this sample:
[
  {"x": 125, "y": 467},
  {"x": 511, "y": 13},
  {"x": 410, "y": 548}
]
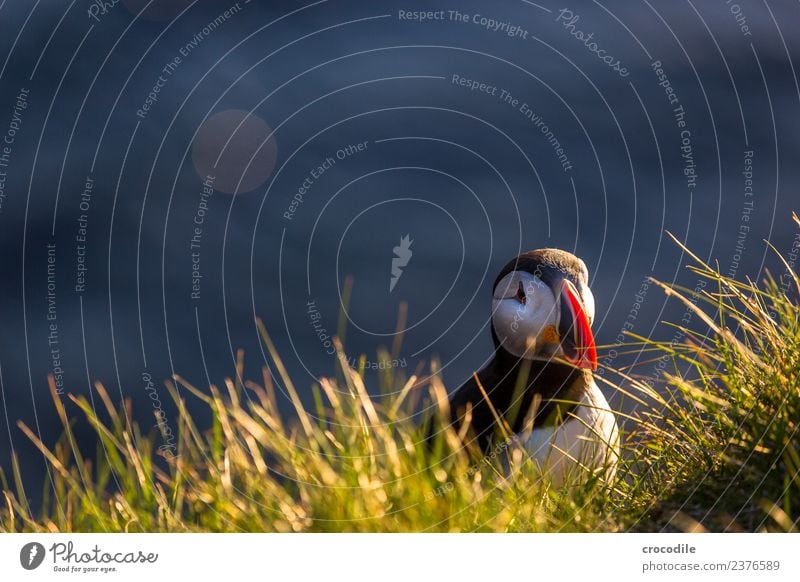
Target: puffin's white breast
[{"x": 588, "y": 441}]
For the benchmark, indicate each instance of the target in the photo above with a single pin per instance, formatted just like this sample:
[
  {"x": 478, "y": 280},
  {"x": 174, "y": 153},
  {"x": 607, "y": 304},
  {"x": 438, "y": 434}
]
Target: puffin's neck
[
  {"x": 555, "y": 382},
  {"x": 546, "y": 377}
]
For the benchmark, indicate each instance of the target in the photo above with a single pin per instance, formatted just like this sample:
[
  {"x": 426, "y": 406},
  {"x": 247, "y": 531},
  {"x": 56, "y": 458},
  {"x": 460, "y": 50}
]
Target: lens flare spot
[{"x": 237, "y": 148}]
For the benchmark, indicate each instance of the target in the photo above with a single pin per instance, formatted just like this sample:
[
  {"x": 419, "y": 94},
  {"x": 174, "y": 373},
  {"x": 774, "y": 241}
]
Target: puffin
[{"x": 539, "y": 383}]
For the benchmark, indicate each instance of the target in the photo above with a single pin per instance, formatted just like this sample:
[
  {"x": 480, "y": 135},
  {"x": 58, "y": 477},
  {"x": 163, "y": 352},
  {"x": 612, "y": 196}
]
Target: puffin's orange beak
[{"x": 577, "y": 339}]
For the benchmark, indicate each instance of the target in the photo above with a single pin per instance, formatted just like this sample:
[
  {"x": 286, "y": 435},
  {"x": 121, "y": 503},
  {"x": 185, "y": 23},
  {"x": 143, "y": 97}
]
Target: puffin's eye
[
  {"x": 521, "y": 297},
  {"x": 519, "y": 286}
]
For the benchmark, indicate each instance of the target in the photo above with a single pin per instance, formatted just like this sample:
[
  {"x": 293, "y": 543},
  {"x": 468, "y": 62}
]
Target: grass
[{"x": 712, "y": 446}]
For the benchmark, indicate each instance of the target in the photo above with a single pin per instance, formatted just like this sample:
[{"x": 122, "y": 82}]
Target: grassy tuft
[{"x": 712, "y": 446}]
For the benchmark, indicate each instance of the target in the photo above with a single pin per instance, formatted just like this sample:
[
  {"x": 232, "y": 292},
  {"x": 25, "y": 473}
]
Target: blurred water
[{"x": 557, "y": 149}]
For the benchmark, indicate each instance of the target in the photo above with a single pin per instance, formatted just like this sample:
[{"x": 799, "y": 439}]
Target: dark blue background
[{"x": 338, "y": 73}]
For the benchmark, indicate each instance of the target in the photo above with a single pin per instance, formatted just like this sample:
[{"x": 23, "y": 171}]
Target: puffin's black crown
[{"x": 550, "y": 265}]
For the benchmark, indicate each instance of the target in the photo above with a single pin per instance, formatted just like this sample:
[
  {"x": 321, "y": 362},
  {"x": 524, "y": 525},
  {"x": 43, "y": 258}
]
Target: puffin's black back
[{"x": 551, "y": 380}]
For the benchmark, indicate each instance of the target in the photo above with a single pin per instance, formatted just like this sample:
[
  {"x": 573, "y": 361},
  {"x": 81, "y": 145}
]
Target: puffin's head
[{"x": 543, "y": 308}]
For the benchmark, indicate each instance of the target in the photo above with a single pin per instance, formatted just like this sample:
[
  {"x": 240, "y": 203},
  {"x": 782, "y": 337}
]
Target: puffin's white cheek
[{"x": 517, "y": 326}]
